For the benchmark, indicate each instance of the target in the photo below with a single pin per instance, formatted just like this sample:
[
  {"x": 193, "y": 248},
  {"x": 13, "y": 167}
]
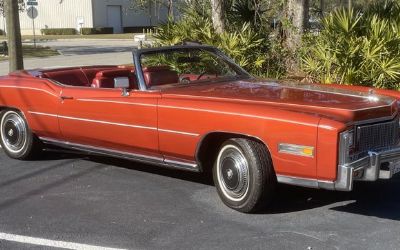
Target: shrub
[
  {"x": 60, "y": 31},
  {"x": 100, "y": 30},
  {"x": 357, "y": 48},
  {"x": 249, "y": 48}
]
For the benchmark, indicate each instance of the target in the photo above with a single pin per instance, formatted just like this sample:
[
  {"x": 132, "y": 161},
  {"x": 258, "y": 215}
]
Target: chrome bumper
[{"x": 367, "y": 168}]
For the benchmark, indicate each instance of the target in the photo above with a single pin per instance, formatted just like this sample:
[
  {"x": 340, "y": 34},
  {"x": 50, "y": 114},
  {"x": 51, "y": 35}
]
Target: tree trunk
[
  {"x": 170, "y": 9},
  {"x": 322, "y": 7},
  {"x": 14, "y": 36},
  {"x": 349, "y": 4},
  {"x": 218, "y": 15},
  {"x": 297, "y": 13}
]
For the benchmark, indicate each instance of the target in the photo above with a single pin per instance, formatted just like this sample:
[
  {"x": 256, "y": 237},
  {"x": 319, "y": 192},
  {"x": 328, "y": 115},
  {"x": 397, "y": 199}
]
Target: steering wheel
[
  {"x": 201, "y": 75},
  {"x": 210, "y": 76},
  {"x": 184, "y": 80}
]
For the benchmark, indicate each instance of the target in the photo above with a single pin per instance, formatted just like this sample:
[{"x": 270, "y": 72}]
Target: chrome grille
[{"x": 378, "y": 135}]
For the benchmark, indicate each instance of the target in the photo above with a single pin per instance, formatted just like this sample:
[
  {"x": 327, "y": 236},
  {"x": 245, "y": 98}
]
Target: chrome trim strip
[
  {"x": 71, "y": 144},
  {"x": 159, "y": 161},
  {"x": 30, "y": 88},
  {"x": 44, "y": 114},
  {"x": 178, "y": 132},
  {"x": 118, "y": 102},
  {"x": 180, "y": 163},
  {"x": 95, "y": 121},
  {"x": 295, "y": 149},
  {"x": 105, "y": 122},
  {"x": 305, "y": 182},
  {"x": 237, "y": 114},
  {"x": 114, "y": 123}
]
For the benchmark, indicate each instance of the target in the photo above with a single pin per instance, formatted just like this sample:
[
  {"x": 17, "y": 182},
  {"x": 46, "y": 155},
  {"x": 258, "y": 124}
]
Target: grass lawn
[
  {"x": 39, "y": 51},
  {"x": 97, "y": 36}
]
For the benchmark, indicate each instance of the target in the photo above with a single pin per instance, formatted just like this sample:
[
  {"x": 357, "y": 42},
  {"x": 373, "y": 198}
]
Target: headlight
[{"x": 346, "y": 145}]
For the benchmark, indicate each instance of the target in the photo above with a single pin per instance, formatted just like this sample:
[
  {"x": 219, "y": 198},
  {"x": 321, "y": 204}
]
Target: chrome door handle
[{"x": 66, "y": 98}]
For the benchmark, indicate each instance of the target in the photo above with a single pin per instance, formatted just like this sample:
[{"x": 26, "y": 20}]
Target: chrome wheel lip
[
  {"x": 13, "y": 132},
  {"x": 238, "y": 191}
]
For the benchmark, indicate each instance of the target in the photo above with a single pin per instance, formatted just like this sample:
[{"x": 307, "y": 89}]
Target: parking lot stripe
[{"x": 51, "y": 243}]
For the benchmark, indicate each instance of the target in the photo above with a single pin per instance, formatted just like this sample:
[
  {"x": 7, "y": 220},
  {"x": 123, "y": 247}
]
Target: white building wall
[
  {"x": 56, "y": 14},
  {"x": 130, "y": 17},
  {"x": 65, "y": 14}
]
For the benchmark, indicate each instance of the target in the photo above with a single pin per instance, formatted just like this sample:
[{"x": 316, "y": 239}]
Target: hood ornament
[{"x": 371, "y": 96}]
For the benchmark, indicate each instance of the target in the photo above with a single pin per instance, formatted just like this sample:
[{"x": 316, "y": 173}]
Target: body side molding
[
  {"x": 157, "y": 161},
  {"x": 305, "y": 182}
]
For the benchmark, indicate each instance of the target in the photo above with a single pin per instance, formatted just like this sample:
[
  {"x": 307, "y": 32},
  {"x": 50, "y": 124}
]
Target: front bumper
[{"x": 368, "y": 168}]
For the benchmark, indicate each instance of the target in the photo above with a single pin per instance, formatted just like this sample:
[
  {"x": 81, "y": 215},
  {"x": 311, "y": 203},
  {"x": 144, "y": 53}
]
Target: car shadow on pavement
[
  {"x": 367, "y": 198},
  {"x": 202, "y": 178},
  {"x": 378, "y": 199}
]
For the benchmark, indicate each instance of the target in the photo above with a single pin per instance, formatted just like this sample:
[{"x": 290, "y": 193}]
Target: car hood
[{"x": 334, "y": 103}]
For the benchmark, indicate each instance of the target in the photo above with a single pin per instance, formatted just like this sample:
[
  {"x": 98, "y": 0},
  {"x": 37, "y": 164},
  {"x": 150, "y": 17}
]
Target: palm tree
[{"x": 218, "y": 15}]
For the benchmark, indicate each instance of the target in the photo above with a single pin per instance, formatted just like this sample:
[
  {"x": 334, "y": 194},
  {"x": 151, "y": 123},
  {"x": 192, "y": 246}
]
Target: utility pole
[{"x": 14, "y": 35}]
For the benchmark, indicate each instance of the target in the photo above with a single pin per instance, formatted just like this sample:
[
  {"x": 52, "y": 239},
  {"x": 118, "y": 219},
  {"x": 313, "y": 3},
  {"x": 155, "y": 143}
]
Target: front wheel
[
  {"x": 243, "y": 175},
  {"x": 17, "y": 139}
]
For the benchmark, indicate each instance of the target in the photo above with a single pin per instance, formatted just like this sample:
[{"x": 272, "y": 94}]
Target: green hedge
[
  {"x": 101, "y": 30},
  {"x": 138, "y": 29},
  {"x": 60, "y": 31}
]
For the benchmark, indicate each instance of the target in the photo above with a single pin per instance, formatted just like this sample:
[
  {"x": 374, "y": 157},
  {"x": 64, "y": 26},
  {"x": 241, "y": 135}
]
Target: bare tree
[
  {"x": 218, "y": 15},
  {"x": 14, "y": 36}
]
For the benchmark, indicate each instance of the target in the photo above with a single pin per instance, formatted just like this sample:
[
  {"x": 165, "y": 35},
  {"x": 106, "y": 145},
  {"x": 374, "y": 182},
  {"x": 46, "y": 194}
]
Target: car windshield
[{"x": 167, "y": 68}]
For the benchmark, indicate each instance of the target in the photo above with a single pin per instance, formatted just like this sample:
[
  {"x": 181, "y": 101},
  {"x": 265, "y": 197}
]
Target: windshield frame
[{"x": 137, "y": 55}]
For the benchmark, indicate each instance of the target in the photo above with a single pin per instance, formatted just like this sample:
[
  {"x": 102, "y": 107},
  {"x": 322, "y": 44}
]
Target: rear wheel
[
  {"x": 17, "y": 139},
  {"x": 244, "y": 175}
]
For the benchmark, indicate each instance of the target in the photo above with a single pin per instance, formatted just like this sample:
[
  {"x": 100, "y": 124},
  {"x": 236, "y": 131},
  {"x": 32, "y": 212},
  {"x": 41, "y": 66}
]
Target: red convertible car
[{"x": 192, "y": 108}]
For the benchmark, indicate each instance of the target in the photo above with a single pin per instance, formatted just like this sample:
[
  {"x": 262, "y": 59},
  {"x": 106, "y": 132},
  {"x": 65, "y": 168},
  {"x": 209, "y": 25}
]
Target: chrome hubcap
[
  {"x": 233, "y": 173},
  {"x": 13, "y": 132}
]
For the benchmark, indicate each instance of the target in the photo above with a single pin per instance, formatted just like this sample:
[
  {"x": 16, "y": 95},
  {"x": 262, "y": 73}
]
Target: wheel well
[
  {"x": 11, "y": 108},
  {"x": 209, "y": 145}
]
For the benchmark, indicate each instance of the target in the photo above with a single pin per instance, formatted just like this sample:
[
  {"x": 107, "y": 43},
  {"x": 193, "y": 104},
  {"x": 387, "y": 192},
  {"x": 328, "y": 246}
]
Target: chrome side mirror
[{"x": 122, "y": 83}]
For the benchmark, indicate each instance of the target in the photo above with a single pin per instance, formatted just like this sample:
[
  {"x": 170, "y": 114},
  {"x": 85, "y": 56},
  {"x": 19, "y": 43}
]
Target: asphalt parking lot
[{"x": 78, "y": 202}]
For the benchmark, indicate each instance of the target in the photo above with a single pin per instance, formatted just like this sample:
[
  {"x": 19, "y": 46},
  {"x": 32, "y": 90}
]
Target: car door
[{"x": 105, "y": 119}]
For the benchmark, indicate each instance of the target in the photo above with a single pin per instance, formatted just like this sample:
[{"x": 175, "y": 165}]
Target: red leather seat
[
  {"x": 105, "y": 78},
  {"x": 159, "y": 75},
  {"x": 90, "y": 73},
  {"x": 73, "y": 77}
]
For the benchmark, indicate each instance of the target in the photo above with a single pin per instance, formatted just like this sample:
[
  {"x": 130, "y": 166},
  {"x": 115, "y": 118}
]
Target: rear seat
[
  {"x": 105, "y": 78},
  {"x": 91, "y": 72},
  {"x": 73, "y": 77},
  {"x": 159, "y": 75}
]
